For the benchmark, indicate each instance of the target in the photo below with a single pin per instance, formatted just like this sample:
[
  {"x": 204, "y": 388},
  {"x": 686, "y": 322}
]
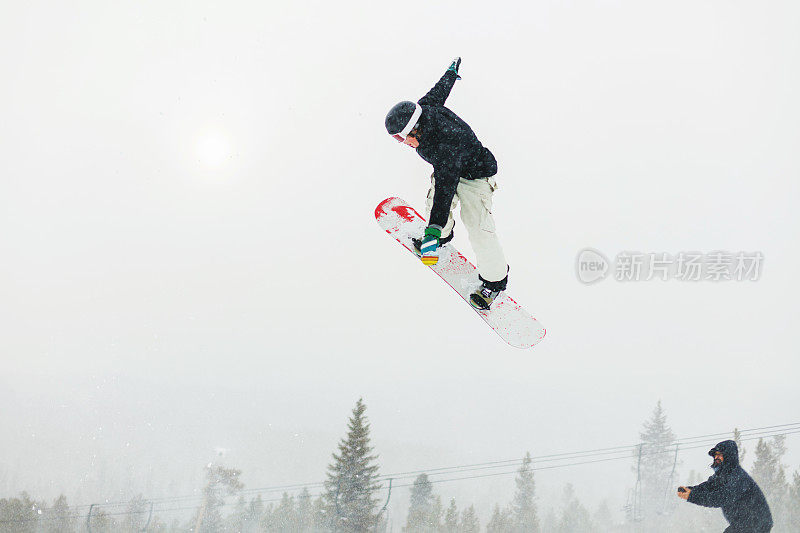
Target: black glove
[{"x": 454, "y": 67}]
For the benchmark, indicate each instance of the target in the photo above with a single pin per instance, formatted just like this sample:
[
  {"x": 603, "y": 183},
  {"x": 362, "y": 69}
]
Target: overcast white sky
[{"x": 190, "y": 259}]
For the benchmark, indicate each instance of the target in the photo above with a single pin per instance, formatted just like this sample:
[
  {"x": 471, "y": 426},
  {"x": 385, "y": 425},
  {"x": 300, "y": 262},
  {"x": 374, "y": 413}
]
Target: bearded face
[{"x": 718, "y": 460}]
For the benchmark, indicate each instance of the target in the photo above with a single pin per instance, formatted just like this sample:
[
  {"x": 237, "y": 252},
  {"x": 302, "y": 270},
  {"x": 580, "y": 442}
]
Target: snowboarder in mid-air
[
  {"x": 462, "y": 171},
  {"x": 731, "y": 488}
]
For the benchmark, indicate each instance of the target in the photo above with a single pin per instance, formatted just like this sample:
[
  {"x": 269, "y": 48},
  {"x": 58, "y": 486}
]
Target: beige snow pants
[{"x": 476, "y": 213}]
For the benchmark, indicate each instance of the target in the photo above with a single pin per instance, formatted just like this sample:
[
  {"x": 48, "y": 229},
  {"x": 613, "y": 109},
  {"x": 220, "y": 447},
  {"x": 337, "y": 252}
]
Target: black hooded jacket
[
  {"x": 732, "y": 489},
  {"x": 450, "y": 145}
]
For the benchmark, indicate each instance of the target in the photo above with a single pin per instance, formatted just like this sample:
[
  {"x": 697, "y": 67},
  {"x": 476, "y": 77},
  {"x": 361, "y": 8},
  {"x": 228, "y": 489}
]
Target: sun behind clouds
[{"x": 213, "y": 149}]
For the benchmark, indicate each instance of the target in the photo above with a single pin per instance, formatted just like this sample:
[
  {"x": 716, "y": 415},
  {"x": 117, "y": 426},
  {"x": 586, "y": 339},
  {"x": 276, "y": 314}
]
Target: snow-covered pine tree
[
  {"x": 103, "y": 523},
  {"x": 320, "y": 514},
  {"x": 793, "y": 500},
  {"x": 284, "y": 517},
  {"x": 524, "y": 517},
  {"x": 253, "y": 514},
  {"x": 574, "y": 516},
  {"x": 450, "y": 524},
  {"x": 770, "y": 475},
  {"x": 500, "y": 522},
  {"x": 351, "y": 485},
  {"x": 737, "y": 438},
  {"x": 235, "y": 520},
  {"x": 469, "y": 521},
  {"x": 422, "y": 513},
  {"x": 602, "y": 519},
  {"x": 550, "y": 522},
  {"x": 305, "y": 512},
  {"x": 22, "y": 512},
  {"x": 266, "y": 517},
  {"x": 58, "y": 518},
  {"x": 220, "y": 480},
  {"x": 136, "y": 515},
  {"x": 655, "y": 468},
  {"x": 437, "y": 512}
]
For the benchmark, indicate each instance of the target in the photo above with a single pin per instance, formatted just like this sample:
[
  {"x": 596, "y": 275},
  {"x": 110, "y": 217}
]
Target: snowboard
[{"x": 506, "y": 317}]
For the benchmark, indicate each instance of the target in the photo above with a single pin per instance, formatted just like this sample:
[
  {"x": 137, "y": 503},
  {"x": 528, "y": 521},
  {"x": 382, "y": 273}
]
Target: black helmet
[{"x": 402, "y": 118}]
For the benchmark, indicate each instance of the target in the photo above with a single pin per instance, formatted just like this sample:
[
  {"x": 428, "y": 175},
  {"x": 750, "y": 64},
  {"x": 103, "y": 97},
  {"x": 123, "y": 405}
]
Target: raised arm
[
  {"x": 439, "y": 93},
  {"x": 710, "y": 493}
]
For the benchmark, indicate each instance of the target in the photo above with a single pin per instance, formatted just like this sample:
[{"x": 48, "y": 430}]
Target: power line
[
  {"x": 617, "y": 452},
  {"x": 499, "y": 464},
  {"x": 622, "y": 451}
]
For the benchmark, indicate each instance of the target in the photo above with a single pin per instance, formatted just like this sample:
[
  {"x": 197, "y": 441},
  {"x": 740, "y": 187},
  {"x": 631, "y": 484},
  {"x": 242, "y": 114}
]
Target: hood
[{"x": 729, "y": 451}]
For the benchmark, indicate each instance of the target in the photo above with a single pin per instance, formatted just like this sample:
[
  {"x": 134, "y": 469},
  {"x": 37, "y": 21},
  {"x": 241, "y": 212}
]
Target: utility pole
[
  {"x": 388, "y": 497},
  {"x": 669, "y": 482},
  {"x": 89, "y": 518},
  {"x": 637, "y": 491}
]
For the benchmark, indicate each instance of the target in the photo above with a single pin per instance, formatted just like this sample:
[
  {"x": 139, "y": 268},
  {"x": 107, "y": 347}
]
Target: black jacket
[
  {"x": 732, "y": 489},
  {"x": 450, "y": 145}
]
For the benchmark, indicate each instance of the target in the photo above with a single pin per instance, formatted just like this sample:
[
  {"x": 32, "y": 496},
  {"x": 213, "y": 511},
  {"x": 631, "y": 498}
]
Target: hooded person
[
  {"x": 732, "y": 489},
  {"x": 463, "y": 171}
]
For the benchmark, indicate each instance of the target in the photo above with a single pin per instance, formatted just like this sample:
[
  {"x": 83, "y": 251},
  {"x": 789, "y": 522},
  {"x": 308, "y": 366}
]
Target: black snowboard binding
[{"x": 485, "y": 295}]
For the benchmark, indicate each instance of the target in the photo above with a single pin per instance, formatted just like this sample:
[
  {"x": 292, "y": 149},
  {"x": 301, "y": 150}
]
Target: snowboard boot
[
  {"x": 418, "y": 242},
  {"x": 485, "y": 295}
]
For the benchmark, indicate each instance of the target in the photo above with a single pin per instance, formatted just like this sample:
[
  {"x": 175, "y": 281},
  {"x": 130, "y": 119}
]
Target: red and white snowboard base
[{"x": 506, "y": 317}]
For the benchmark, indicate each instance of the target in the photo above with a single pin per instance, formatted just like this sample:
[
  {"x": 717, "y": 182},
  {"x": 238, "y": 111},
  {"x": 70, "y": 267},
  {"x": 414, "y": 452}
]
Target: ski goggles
[{"x": 410, "y": 125}]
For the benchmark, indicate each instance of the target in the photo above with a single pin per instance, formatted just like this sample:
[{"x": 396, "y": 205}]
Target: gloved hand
[
  {"x": 454, "y": 67},
  {"x": 430, "y": 245}
]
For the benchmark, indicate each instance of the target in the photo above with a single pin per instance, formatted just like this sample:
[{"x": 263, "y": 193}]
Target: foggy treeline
[{"x": 352, "y": 499}]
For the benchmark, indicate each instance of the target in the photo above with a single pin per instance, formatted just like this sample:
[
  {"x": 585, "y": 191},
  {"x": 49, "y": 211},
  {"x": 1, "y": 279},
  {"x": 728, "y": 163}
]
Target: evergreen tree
[
  {"x": 469, "y": 521},
  {"x": 351, "y": 482},
  {"x": 102, "y": 523},
  {"x": 320, "y": 515},
  {"x": 283, "y": 518},
  {"x": 602, "y": 517},
  {"x": 59, "y": 518},
  {"x": 235, "y": 520},
  {"x": 793, "y": 500},
  {"x": 20, "y": 514},
  {"x": 500, "y": 522},
  {"x": 266, "y": 518},
  {"x": 136, "y": 515},
  {"x": 737, "y": 438},
  {"x": 770, "y": 475},
  {"x": 305, "y": 511},
  {"x": 655, "y": 467},
  {"x": 422, "y": 513},
  {"x": 246, "y": 517},
  {"x": 550, "y": 522},
  {"x": 437, "y": 512},
  {"x": 574, "y": 516},
  {"x": 252, "y": 517},
  {"x": 208, "y": 518},
  {"x": 523, "y": 508},
  {"x": 451, "y": 518}
]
